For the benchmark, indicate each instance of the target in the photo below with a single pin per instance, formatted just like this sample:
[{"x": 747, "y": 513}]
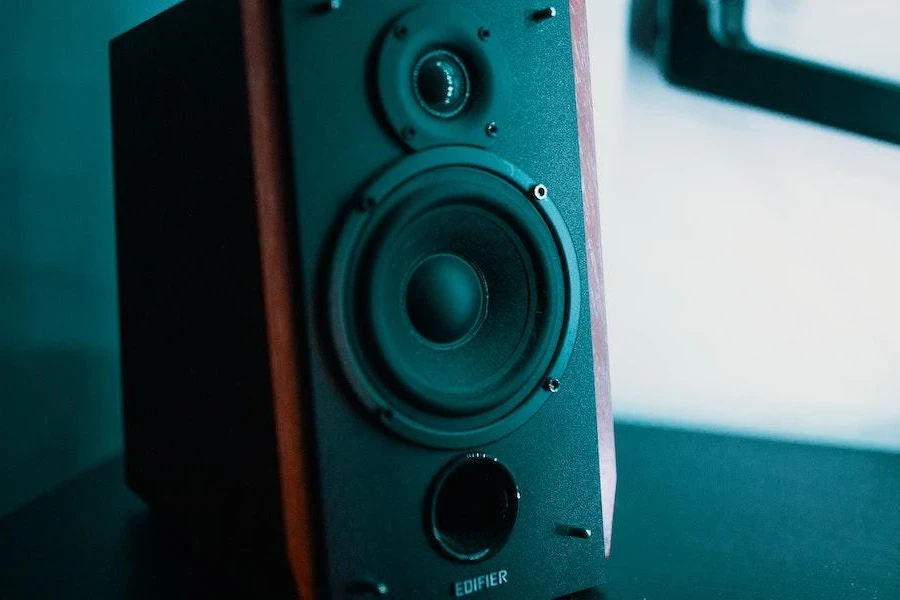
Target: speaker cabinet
[{"x": 360, "y": 291}]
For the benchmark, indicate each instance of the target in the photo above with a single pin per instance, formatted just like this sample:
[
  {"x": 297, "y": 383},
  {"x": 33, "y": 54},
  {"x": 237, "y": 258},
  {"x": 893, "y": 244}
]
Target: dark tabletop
[{"x": 697, "y": 516}]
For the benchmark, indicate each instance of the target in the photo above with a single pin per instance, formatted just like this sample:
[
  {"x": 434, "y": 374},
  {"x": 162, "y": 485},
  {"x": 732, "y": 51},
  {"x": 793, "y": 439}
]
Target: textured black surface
[{"x": 698, "y": 517}]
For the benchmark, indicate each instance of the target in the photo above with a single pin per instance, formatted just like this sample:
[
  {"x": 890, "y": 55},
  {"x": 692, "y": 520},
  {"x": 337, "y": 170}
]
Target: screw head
[
  {"x": 544, "y": 14},
  {"x": 492, "y": 129},
  {"x": 552, "y": 385},
  {"x": 539, "y": 192},
  {"x": 325, "y": 7},
  {"x": 484, "y": 34},
  {"x": 366, "y": 203},
  {"x": 400, "y": 32},
  {"x": 408, "y": 133}
]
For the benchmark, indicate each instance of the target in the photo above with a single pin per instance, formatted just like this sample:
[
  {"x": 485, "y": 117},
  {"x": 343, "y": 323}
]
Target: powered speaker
[{"x": 360, "y": 291}]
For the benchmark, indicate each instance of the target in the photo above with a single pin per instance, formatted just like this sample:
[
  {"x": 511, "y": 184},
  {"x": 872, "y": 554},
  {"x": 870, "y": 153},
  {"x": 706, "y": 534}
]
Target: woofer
[{"x": 454, "y": 297}]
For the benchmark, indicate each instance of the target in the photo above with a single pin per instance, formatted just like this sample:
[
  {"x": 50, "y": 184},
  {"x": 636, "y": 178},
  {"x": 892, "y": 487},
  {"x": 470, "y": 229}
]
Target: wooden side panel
[
  {"x": 259, "y": 25},
  {"x": 590, "y": 190}
]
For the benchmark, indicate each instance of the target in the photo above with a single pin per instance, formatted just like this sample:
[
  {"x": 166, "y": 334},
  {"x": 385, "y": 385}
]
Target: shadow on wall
[
  {"x": 63, "y": 418},
  {"x": 59, "y": 368}
]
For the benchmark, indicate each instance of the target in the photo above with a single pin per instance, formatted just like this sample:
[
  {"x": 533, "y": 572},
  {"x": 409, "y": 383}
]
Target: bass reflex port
[{"x": 473, "y": 507}]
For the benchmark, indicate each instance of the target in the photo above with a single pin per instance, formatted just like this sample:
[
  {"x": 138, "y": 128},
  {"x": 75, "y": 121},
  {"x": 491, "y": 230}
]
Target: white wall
[{"x": 752, "y": 260}]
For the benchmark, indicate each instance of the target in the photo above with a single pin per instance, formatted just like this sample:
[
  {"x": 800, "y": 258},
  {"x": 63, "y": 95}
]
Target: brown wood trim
[
  {"x": 591, "y": 193},
  {"x": 257, "y": 17}
]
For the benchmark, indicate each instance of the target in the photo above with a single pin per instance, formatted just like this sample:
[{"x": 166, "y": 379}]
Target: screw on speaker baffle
[
  {"x": 408, "y": 133},
  {"x": 366, "y": 203},
  {"x": 492, "y": 129},
  {"x": 484, "y": 34},
  {"x": 368, "y": 588},
  {"x": 327, "y": 7},
  {"x": 581, "y": 533},
  {"x": 539, "y": 191},
  {"x": 544, "y": 13},
  {"x": 552, "y": 385}
]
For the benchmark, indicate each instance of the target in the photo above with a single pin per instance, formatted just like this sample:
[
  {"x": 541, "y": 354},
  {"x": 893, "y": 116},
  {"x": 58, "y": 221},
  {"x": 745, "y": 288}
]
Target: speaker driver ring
[
  {"x": 459, "y": 211},
  {"x": 475, "y": 71}
]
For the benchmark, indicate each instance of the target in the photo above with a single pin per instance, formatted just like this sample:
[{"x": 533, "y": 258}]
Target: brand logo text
[{"x": 482, "y": 582}]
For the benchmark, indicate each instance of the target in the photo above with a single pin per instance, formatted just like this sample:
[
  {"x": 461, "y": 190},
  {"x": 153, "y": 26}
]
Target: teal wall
[{"x": 59, "y": 366}]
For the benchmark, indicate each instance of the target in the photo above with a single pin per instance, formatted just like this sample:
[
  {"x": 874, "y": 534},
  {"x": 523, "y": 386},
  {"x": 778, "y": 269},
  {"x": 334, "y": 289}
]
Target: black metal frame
[{"x": 702, "y": 45}]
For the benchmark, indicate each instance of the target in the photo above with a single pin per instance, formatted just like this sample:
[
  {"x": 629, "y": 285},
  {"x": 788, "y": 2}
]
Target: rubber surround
[
  {"x": 434, "y": 27},
  {"x": 371, "y": 343}
]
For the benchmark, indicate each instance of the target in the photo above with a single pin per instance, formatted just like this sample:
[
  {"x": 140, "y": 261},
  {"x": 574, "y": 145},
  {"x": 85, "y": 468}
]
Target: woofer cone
[{"x": 454, "y": 295}]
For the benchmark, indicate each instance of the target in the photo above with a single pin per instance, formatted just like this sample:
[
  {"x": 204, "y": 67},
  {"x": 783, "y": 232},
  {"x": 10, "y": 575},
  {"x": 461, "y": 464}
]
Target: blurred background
[
  {"x": 751, "y": 257},
  {"x": 59, "y": 348}
]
